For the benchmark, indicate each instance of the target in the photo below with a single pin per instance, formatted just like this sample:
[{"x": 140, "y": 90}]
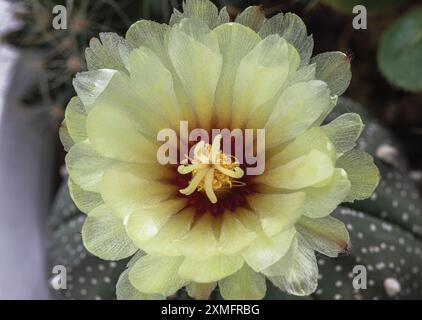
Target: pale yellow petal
[
  {"x": 176, "y": 17},
  {"x": 334, "y": 69},
  {"x": 145, "y": 223},
  {"x": 104, "y": 235},
  {"x": 297, "y": 109},
  {"x": 211, "y": 269},
  {"x": 86, "y": 201},
  {"x": 265, "y": 251},
  {"x": 252, "y": 17},
  {"x": 297, "y": 272},
  {"x": 362, "y": 173},
  {"x": 126, "y": 188},
  {"x": 293, "y": 29},
  {"x": 260, "y": 116},
  {"x": 234, "y": 236},
  {"x": 300, "y": 173},
  {"x": 120, "y": 95},
  {"x": 344, "y": 131},
  {"x": 190, "y": 57},
  {"x": 245, "y": 284},
  {"x": 277, "y": 212},
  {"x": 86, "y": 166},
  {"x": 235, "y": 41},
  {"x": 223, "y": 16},
  {"x": 322, "y": 200},
  {"x": 249, "y": 219},
  {"x": 163, "y": 244},
  {"x": 312, "y": 139},
  {"x": 110, "y": 53},
  {"x": 113, "y": 134},
  {"x": 203, "y": 10},
  {"x": 126, "y": 291},
  {"x": 75, "y": 116},
  {"x": 200, "y": 291},
  {"x": 155, "y": 37},
  {"x": 89, "y": 85},
  {"x": 154, "y": 84},
  {"x": 157, "y": 275},
  {"x": 65, "y": 137},
  {"x": 149, "y": 34},
  {"x": 326, "y": 235},
  {"x": 201, "y": 241},
  {"x": 260, "y": 75}
]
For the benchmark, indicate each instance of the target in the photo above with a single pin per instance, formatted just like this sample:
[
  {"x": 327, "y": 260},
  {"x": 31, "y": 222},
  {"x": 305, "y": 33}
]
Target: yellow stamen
[{"x": 211, "y": 170}]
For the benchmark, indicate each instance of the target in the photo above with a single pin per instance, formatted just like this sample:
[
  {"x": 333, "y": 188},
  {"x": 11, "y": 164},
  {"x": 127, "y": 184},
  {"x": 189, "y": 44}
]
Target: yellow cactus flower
[{"x": 203, "y": 221}]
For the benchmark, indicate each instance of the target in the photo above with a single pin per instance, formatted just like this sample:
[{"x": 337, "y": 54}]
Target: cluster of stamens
[{"x": 211, "y": 170}]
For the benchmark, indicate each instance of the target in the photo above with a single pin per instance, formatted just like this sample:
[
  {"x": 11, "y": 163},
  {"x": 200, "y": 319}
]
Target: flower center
[{"x": 211, "y": 170}]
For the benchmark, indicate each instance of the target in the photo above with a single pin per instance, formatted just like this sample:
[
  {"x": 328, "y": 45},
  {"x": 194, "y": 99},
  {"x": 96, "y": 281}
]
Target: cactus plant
[
  {"x": 385, "y": 230},
  {"x": 210, "y": 210},
  {"x": 115, "y": 244}
]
